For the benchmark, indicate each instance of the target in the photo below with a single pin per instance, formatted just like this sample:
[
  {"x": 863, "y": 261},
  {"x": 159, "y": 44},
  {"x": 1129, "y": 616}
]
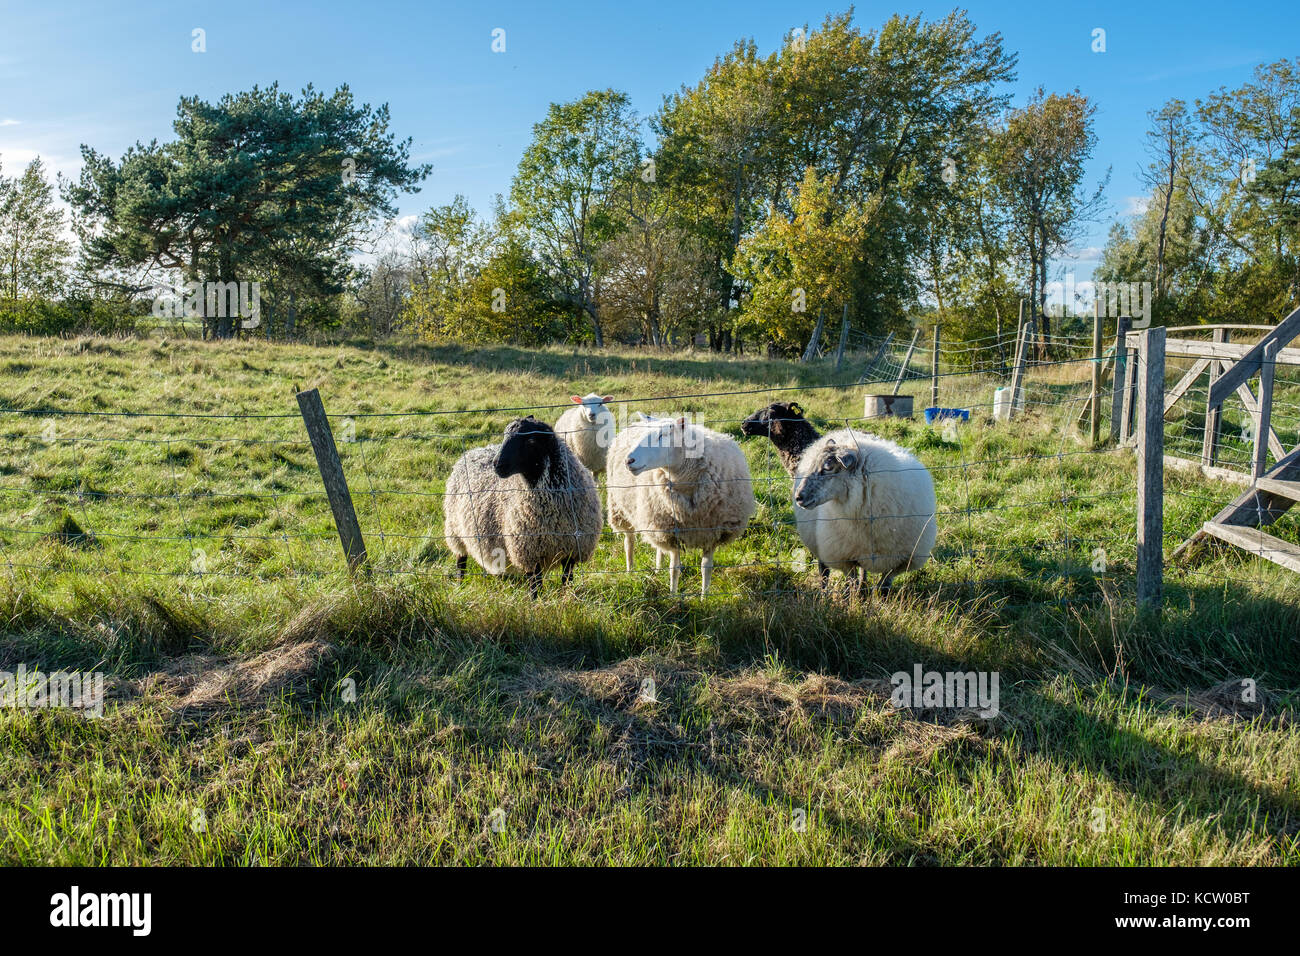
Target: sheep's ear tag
[
  {"x": 794, "y": 407},
  {"x": 576, "y": 399}
]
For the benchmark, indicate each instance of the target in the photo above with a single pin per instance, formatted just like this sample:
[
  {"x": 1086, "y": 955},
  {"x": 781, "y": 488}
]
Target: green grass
[{"x": 265, "y": 708}]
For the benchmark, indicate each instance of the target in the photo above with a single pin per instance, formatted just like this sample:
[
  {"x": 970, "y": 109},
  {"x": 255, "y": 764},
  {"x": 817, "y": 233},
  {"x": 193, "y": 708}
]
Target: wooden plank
[
  {"x": 1287, "y": 489},
  {"x": 1257, "y": 505},
  {"x": 1177, "y": 392},
  {"x": 1264, "y": 411},
  {"x": 1213, "y": 413},
  {"x": 1187, "y": 348},
  {"x": 1259, "y": 543},
  {"x": 1190, "y": 466},
  {"x": 844, "y": 338},
  {"x": 907, "y": 360},
  {"x": 1248, "y": 365},
  {"x": 1252, "y": 409},
  {"x": 331, "y": 473},
  {"x": 1151, "y": 469},
  {"x": 1129, "y": 411}
]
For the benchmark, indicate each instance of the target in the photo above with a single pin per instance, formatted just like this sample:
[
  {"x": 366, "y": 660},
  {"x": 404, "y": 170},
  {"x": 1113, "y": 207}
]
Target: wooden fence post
[
  {"x": 844, "y": 337},
  {"x": 1213, "y": 413},
  {"x": 1264, "y": 410},
  {"x": 1018, "y": 373},
  {"x": 1096, "y": 372},
  {"x": 934, "y": 369},
  {"x": 907, "y": 360},
  {"x": 1119, "y": 376},
  {"x": 1151, "y": 468},
  {"x": 331, "y": 473}
]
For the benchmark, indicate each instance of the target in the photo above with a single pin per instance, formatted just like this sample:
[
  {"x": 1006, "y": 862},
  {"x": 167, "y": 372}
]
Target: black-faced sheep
[
  {"x": 791, "y": 433},
  {"x": 526, "y": 504},
  {"x": 678, "y": 485},
  {"x": 861, "y": 502}
]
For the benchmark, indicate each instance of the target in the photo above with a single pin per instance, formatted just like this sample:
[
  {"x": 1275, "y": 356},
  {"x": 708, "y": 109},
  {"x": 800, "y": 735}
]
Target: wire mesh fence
[{"x": 1029, "y": 512}]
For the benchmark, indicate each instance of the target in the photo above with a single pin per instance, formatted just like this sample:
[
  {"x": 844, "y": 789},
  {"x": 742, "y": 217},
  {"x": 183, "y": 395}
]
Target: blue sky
[{"x": 108, "y": 74}]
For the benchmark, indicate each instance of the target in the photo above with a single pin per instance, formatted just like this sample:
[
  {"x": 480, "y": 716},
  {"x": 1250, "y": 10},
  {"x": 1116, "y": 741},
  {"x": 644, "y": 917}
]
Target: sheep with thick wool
[
  {"x": 588, "y": 428},
  {"x": 678, "y": 485},
  {"x": 864, "y": 503},
  {"x": 525, "y": 504}
]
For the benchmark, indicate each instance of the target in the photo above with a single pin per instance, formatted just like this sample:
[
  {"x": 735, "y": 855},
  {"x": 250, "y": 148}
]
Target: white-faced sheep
[
  {"x": 861, "y": 502},
  {"x": 678, "y": 485},
  {"x": 526, "y": 504},
  {"x": 587, "y": 429}
]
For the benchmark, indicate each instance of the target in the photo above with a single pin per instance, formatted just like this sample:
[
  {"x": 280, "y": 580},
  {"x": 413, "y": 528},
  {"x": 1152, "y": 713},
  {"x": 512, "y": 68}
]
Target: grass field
[{"x": 265, "y": 708}]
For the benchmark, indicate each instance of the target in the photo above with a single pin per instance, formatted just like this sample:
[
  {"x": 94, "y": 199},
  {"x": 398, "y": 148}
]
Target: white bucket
[{"x": 1002, "y": 403}]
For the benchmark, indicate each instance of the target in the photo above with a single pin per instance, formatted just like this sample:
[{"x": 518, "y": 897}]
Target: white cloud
[
  {"x": 1135, "y": 205},
  {"x": 8, "y": 122}
]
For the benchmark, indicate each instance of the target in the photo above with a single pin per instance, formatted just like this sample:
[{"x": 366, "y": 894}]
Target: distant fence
[{"x": 1029, "y": 512}]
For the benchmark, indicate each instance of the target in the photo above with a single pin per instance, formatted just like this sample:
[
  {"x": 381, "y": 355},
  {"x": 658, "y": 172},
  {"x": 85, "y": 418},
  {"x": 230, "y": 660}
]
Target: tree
[
  {"x": 1041, "y": 158},
  {"x": 565, "y": 189},
  {"x": 33, "y": 250},
  {"x": 258, "y": 186}
]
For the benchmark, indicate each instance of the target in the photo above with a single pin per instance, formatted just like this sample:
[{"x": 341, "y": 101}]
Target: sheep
[
  {"x": 864, "y": 502},
  {"x": 791, "y": 433},
  {"x": 525, "y": 504},
  {"x": 678, "y": 485},
  {"x": 587, "y": 429}
]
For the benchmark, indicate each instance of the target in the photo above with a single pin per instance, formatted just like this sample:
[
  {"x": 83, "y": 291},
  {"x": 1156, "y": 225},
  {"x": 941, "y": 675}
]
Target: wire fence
[{"x": 1029, "y": 512}]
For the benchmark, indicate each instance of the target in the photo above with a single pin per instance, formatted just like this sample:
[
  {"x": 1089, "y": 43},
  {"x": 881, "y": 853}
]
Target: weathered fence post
[
  {"x": 1151, "y": 468},
  {"x": 907, "y": 360},
  {"x": 1096, "y": 371},
  {"x": 844, "y": 337},
  {"x": 1264, "y": 410},
  {"x": 1119, "y": 375},
  {"x": 331, "y": 473},
  {"x": 934, "y": 369},
  {"x": 1213, "y": 413},
  {"x": 1018, "y": 373}
]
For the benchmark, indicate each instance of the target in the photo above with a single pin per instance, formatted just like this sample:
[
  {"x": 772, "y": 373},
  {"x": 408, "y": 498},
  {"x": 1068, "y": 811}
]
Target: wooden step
[
  {"x": 1256, "y": 542},
  {"x": 1274, "y": 486}
]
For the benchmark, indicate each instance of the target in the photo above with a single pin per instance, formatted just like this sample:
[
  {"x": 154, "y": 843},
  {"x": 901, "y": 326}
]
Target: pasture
[{"x": 162, "y": 521}]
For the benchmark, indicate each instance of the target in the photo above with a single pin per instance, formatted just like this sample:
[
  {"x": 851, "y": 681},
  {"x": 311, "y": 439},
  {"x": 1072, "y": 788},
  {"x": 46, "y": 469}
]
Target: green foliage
[{"x": 67, "y": 317}]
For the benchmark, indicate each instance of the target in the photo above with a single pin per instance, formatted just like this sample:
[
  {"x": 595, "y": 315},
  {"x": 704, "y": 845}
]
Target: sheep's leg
[
  {"x": 856, "y": 578},
  {"x": 535, "y": 582},
  {"x": 825, "y": 574},
  {"x": 462, "y": 564},
  {"x": 706, "y": 572},
  {"x": 567, "y": 576},
  {"x": 674, "y": 569},
  {"x": 659, "y": 559},
  {"x": 628, "y": 544},
  {"x": 886, "y": 580}
]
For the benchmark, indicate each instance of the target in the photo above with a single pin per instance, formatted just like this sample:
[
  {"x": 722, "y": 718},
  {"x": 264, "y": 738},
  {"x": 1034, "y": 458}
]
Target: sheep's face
[
  {"x": 773, "y": 420},
  {"x": 592, "y": 405},
  {"x": 665, "y": 444},
  {"x": 826, "y": 475},
  {"x": 526, "y": 450}
]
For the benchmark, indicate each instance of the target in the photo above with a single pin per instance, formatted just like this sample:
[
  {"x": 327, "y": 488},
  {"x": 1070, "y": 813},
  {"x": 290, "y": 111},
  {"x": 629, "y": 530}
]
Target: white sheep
[
  {"x": 587, "y": 429},
  {"x": 866, "y": 503},
  {"x": 678, "y": 485}
]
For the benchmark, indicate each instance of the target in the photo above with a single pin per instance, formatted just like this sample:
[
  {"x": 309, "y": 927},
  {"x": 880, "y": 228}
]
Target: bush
[{"x": 67, "y": 317}]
